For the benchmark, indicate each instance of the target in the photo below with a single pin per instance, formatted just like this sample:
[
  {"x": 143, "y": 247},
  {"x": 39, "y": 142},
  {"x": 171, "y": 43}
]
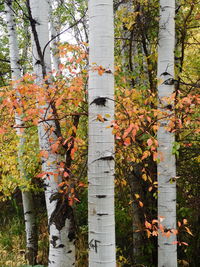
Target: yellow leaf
[
  {"x": 107, "y": 115},
  {"x": 150, "y": 188},
  {"x": 144, "y": 176},
  {"x": 123, "y": 182},
  {"x": 188, "y": 231},
  {"x": 137, "y": 196}
]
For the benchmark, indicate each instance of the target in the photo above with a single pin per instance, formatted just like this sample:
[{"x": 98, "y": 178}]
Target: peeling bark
[{"x": 60, "y": 216}]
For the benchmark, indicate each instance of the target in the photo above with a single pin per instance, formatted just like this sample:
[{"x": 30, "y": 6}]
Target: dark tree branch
[
  {"x": 36, "y": 39},
  {"x": 54, "y": 37}
]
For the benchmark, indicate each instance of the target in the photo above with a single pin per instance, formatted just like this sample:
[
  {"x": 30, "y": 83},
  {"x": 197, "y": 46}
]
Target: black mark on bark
[
  {"x": 102, "y": 214},
  {"x": 99, "y": 101},
  {"x": 100, "y": 196},
  {"x": 61, "y": 246},
  {"x": 61, "y": 213},
  {"x": 93, "y": 244},
  {"x": 53, "y": 241}
]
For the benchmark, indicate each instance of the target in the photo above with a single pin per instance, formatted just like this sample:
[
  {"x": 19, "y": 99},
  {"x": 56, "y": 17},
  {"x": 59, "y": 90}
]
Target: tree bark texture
[
  {"x": 60, "y": 214},
  {"x": 167, "y": 249},
  {"x": 101, "y": 139},
  {"x": 54, "y": 37},
  {"x": 27, "y": 198}
]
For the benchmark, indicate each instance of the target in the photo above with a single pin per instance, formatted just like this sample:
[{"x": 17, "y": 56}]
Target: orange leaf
[
  {"x": 174, "y": 231},
  {"x": 62, "y": 164},
  {"x": 81, "y": 184},
  {"x": 184, "y": 243},
  {"x": 188, "y": 231},
  {"x": 2, "y": 130},
  {"x": 168, "y": 234},
  {"x": 70, "y": 200},
  {"x": 155, "y": 156},
  {"x": 127, "y": 141},
  {"x": 128, "y": 130},
  {"x": 76, "y": 199},
  {"x": 150, "y": 188},
  {"x": 185, "y": 221},
  {"x": 141, "y": 204},
  {"x": 155, "y": 233},
  {"x": 41, "y": 175},
  {"x": 145, "y": 154},
  {"x": 100, "y": 70},
  {"x": 149, "y": 142},
  {"x": 100, "y": 118},
  {"x": 66, "y": 174},
  {"x": 55, "y": 146},
  {"x": 72, "y": 153},
  {"x": 44, "y": 154},
  {"x": 148, "y": 225}
]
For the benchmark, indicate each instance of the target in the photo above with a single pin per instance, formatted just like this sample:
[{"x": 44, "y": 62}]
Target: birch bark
[
  {"x": 27, "y": 198},
  {"x": 60, "y": 215},
  {"x": 101, "y": 140},
  {"x": 54, "y": 36},
  {"x": 167, "y": 250}
]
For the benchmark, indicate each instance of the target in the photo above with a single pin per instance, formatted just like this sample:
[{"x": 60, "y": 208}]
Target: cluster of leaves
[{"x": 68, "y": 95}]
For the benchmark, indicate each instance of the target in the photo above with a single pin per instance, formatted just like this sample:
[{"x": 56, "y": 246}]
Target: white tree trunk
[
  {"x": 27, "y": 198},
  {"x": 54, "y": 36},
  {"x": 167, "y": 249},
  {"x": 60, "y": 217},
  {"x": 101, "y": 139}
]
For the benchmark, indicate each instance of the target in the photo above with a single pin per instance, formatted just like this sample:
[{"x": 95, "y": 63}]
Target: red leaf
[
  {"x": 66, "y": 174},
  {"x": 149, "y": 142},
  {"x": 128, "y": 130}
]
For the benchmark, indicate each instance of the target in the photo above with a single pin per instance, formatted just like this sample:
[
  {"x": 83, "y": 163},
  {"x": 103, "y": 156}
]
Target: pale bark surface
[
  {"x": 60, "y": 216},
  {"x": 167, "y": 249},
  {"x": 27, "y": 198},
  {"x": 101, "y": 139},
  {"x": 54, "y": 35}
]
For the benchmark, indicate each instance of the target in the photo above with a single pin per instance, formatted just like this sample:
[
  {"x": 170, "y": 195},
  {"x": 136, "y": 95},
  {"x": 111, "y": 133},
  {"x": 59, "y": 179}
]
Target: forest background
[{"x": 135, "y": 129}]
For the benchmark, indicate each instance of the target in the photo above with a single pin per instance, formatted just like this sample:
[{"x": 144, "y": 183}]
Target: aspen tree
[
  {"x": 101, "y": 139},
  {"x": 60, "y": 215},
  {"x": 167, "y": 248},
  {"x": 27, "y": 197}
]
